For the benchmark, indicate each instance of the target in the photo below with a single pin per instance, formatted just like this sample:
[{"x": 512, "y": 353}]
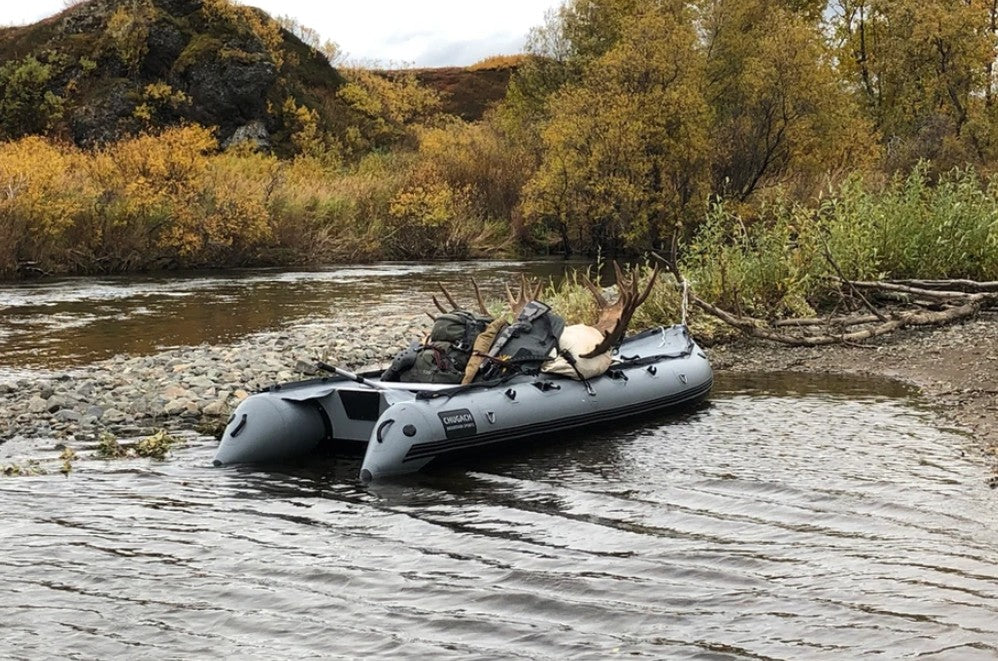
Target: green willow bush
[{"x": 774, "y": 264}]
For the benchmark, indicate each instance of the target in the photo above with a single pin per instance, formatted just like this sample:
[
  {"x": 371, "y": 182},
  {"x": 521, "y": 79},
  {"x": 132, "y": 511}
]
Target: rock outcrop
[{"x": 119, "y": 68}]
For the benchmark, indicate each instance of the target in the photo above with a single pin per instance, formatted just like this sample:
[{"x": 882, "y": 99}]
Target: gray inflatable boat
[{"x": 402, "y": 427}]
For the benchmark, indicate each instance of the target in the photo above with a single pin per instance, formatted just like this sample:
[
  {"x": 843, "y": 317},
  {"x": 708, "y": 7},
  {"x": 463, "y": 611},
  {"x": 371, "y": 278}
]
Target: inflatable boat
[{"x": 402, "y": 427}]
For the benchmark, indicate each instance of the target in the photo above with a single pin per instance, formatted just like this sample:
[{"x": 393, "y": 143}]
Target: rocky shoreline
[
  {"x": 955, "y": 368},
  {"x": 178, "y": 388}
]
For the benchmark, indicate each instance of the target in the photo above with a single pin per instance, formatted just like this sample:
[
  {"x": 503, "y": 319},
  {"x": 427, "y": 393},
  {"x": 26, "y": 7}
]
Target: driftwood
[
  {"x": 898, "y": 320},
  {"x": 926, "y": 306},
  {"x": 838, "y": 322},
  {"x": 969, "y": 286}
]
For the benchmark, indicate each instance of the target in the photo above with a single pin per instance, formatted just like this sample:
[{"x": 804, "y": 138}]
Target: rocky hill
[{"x": 106, "y": 68}]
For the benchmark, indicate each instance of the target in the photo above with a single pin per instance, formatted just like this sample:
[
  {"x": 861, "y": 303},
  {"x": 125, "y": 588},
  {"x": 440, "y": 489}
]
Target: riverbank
[{"x": 954, "y": 367}]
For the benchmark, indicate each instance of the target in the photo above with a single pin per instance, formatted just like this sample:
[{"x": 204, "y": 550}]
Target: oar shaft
[{"x": 348, "y": 375}]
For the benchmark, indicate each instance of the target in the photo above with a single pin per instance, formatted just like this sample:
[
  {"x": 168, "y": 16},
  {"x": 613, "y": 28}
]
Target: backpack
[
  {"x": 443, "y": 357},
  {"x": 526, "y": 344}
]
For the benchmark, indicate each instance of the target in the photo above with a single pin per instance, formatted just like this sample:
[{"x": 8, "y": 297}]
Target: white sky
[{"x": 390, "y": 32}]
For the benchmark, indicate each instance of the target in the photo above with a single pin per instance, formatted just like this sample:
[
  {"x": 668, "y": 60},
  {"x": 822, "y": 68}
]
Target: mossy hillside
[{"x": 233, "y": 64}]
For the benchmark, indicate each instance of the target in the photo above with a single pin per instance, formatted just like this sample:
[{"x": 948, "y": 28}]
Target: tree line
[
  {"x": 628, "y": 125},
  {"x": 645, "y": 111}
]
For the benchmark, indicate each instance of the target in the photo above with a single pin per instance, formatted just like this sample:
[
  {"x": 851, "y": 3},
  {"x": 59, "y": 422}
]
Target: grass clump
[
  {"x": 156, "y": 446},
  {"x": 212, "y": 426},
  {"x": 774, "y": 263},
  {"x": 67, "y": 456},
  {"x": 29, "y": 469},
  {"x": 109, "y": 448}
]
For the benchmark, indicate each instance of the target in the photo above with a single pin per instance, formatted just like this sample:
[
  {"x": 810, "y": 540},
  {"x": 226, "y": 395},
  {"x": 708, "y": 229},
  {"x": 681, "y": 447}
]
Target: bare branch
[
  {"x": 754, "y": 327},
  {"x": 828, "y": 256}
]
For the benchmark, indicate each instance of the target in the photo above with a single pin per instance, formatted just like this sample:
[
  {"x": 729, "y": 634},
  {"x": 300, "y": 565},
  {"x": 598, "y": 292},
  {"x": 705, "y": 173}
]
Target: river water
[
  {"x": 790, "y": 517},
  {"x": 70, "y": 322}
]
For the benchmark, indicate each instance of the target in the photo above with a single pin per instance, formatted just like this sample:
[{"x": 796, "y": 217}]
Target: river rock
[
  {"x": 114, "y": 416},
  {"x": 216, "y": 408},
  {"x": 176, "y": 392},
  {"x": 175, "y": 407},
  {"x": 201, "y": 382},
  {"x": 37, "y": 405},
  {"x": 68, "y": 415}
]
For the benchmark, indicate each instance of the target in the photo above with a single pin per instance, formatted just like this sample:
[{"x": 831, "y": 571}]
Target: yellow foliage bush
[
  {"x": 499, "y": 62},
  {"x": 421, "y": 220},
  {"x": 171, "y": 200},
  {"x": 127, "y": 33},
  {"x": 41, "y": 192},
  {"x": 481, "y": 159},
  {"x": 386, "y": 107}
]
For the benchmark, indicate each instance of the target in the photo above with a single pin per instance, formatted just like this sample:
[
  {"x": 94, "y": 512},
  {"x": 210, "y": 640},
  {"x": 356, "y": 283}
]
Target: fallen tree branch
[
  {"x": 756, "y": 327},
  {"x": 831, "y": 260},
  {"x": 945, "y": 307},
  {"x": 930, "y": 294},
  {"x": 846, "y": 320},
  {"x": 968, "y": 286}
]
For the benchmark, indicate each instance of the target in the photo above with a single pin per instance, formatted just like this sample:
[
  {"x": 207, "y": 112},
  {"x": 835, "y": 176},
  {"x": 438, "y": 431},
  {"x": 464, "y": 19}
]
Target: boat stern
[{"x": 266, "y": 427}]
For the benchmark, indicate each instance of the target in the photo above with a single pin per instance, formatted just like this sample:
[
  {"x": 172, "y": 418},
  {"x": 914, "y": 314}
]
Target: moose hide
[{"x": 579, "y": 340}]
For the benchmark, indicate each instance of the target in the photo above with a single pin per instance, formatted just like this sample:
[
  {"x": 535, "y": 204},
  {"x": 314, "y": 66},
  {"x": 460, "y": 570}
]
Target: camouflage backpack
[{"x": 443, "y": 357}]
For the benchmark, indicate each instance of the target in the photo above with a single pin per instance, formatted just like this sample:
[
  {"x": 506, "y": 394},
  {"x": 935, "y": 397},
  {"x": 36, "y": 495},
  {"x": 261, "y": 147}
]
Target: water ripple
[{"x": 775, "y": 523}]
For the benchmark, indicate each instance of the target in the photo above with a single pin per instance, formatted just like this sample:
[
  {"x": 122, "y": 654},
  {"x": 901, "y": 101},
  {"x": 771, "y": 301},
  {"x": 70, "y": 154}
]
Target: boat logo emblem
[
  {"x": 491, "y": 415},
  {"x": 459, "y": 423},
  {"x": 682, "y": 377}
]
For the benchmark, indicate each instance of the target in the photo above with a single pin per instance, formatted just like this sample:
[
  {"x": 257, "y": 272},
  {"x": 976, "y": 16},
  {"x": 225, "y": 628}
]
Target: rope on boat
[
  {"x": 686, "y": 300},
  {"x": 684, "y": 309}
]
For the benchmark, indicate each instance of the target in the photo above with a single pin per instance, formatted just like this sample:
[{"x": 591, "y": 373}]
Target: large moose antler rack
[{"x": 614, "y": 317}]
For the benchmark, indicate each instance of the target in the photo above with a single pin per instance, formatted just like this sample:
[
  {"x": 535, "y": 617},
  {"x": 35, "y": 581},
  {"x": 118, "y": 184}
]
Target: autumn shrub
[
  {"x": 42, "y": 192},
  {"x": 385, "y": 109},
  {"x": 494, "y": 62},
  {"x": 783, "y": 261},
  {"x": 150, "y": 209},
  {"x": 421, "y": 220},
  {"x": 762, "y": 267},
  {"x": 250, "y": 20},
  {"x": 127, "y": 33},
  {"x": 312, "y": 218},
  {"x": 482, "y": 159}
]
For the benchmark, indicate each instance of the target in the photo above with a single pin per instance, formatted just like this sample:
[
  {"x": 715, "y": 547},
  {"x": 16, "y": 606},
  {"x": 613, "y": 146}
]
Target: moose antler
[
  {"x": 614, "y": 317},
  {"x": 454, "y": 306},
  {"x": 529, "y": 291}
]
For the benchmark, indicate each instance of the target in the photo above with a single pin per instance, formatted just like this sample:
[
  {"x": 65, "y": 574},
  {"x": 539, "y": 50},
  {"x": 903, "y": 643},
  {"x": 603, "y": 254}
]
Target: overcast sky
[{"x": 398, "y": 32}]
